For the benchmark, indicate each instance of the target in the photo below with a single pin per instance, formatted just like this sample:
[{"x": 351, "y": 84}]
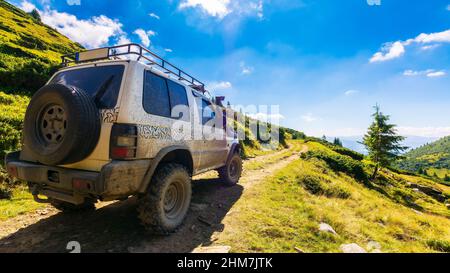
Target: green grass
[
  {"x": 285, "y": 210},
  {"x": 12, "y": 113},
  {"x": 29, "y": 50},
  {"x": 433, "y": 156},
  {"x": 439, "y": 172},
  {"x": 21, "y": 202}
]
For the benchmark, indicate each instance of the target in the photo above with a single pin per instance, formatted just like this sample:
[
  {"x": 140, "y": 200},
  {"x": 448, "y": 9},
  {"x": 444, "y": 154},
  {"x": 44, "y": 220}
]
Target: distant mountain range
[
  {"x": 433, "y": 156},
  {"x": 412, "y": 142}
]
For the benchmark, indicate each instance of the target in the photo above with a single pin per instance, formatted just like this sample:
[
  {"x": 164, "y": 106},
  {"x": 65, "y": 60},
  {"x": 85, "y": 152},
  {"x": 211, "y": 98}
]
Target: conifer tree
[
  {"x": 35, "y": 14},
  {"x": 382, "y": 141}
]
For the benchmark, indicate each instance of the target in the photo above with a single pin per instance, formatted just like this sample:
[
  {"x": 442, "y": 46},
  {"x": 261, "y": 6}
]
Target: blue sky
[{"x": 325, "y": 63}]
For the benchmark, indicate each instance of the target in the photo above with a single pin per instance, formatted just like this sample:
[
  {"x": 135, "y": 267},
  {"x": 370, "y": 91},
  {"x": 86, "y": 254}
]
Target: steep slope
[
  {"x": 294, "y": 208},
  {"x": 431, "y": 158},
  {"x": 29, "y": 49}
]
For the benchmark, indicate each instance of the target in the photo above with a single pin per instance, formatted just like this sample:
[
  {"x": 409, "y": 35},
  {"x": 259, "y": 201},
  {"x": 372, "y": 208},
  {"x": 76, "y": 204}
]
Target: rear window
[{"x": 101, "y": 82}]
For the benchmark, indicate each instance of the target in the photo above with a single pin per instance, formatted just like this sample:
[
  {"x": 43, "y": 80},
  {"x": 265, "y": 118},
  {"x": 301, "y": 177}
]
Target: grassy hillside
[
  {"x": 432, "y": 159},
  {"x": 29, "y": 50},
  {"x": 284, "y": 212}
]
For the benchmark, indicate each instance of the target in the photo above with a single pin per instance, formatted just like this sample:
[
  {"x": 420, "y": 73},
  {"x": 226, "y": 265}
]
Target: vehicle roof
[{"x": 152, "y": 68}]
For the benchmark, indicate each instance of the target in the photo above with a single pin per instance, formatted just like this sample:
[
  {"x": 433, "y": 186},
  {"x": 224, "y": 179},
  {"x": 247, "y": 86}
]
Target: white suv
[{"x": 107, "y": 129}]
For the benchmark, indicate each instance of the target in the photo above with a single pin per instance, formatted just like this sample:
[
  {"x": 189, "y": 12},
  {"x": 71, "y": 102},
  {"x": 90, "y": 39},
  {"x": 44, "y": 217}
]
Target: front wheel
[
  {"x": 231, "y": 173},
  {"x": 165, "y": 205}
]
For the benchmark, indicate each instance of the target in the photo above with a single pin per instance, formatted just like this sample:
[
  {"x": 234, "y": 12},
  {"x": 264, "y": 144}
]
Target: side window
[
  {"x": 156, "y": 95},
  {"x": 178, "y": 97},
  {"x": 207, "y": 112}
]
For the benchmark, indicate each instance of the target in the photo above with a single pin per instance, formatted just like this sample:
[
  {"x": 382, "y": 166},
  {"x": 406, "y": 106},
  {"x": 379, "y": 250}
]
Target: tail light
[{"x": 123, "y": 142}]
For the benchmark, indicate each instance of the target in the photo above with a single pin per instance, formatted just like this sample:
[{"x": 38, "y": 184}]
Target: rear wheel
[
  {"x": 88, "y": 205},
  {"x": 165, "y": 205},
  {"x": 231, "y": 173}
]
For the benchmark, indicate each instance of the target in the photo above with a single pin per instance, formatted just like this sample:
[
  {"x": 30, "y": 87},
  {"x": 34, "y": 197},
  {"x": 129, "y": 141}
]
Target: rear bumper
[{"x": 118, "y": 179}]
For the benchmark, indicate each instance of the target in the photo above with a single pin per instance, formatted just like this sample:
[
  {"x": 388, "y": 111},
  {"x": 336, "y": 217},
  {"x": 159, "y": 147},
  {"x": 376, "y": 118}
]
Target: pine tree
[
  {"x": 382, "y": 141},
  {"x": 35, "y": 14},
  {"x": 324, "y": 138},
  {"x": 337, "y": 142}
]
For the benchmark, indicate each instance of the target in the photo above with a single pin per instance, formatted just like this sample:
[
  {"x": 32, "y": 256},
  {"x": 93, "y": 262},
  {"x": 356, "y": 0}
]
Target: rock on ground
[
  {"x": 212, "y": 249},
  {"x": 352, "y": 248},
  {"x": 372, "y": 245},
  {"x": 326, "y": 228}
]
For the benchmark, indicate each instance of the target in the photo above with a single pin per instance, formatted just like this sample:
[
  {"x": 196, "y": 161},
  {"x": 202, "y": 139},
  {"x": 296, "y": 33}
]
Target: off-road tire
[
  {"x": 88, "y": 205},
  {"x": 64, "y": 138},
  {"x": 154, "y": 208},
  {"x": 231, "y": 173}
]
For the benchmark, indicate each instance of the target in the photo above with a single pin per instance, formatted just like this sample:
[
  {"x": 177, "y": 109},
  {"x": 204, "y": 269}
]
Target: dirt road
[{"x": 114, "y": 226}]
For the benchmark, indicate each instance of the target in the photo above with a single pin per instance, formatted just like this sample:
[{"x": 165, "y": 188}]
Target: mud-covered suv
[{"x": 107, "y": 128}]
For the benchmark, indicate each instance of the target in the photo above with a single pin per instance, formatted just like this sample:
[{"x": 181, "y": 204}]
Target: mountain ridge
[
  {"x": 432, "y": 156},
  {"x": 30, "y": 51}
]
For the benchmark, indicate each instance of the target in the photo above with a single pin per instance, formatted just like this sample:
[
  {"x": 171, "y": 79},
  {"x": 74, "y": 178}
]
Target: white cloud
[
  {"x": 221, "y": 8},
  {"x": 351, "y": 92},
  {"x": 27, "y": 6},
  {"x": 91, "y": 33},
  {"x": 448, "y": 7},
  {"x": 388, "y": 52},
  {"x": 245, "y": 69},
  {"x": 397, "y": 49},
  {"x": 144, "y": 36},
  {"x": 410, "y": 73},
  {"x": 436, "y": 74},
  {"x": 424, "y": 131},
  {"x": 219, "y": 85},
  {"x": 216, "y": 8},
  {"x": 266, "y": 117},
  {"x": 168, "y": 50},
  {"x": 430, "y": 47},
  {"x": 153, "y": 15},
  {"x": 74, "y": 2},
  {"x": 123, "y": 40},
  {"x": 437, "y": 37},
  {"x": 309, "y": 118},
  {"x": 431, "y": 73}
]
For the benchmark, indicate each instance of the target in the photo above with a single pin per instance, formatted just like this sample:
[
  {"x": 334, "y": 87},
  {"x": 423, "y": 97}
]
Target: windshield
[{"x": 101, "y": 82}]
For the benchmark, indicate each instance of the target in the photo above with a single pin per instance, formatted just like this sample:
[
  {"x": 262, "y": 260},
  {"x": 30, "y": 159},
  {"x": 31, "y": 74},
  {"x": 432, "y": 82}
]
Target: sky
[{"x": 324, "y": 63}]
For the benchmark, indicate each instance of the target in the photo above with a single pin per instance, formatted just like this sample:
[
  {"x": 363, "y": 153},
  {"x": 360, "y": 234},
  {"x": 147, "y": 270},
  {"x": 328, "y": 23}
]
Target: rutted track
[{"x": 114, "y": 226}]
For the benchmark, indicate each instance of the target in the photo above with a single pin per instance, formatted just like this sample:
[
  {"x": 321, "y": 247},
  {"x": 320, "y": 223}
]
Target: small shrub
[
  {"x": 340, "y": 163},
  {"x": 338, "y": 192},
  {"x": 318, "y": 185},
  {"x": 31, "y": 42},
  {"x": 5, "y": 192},
  {"x": 312, "y": 184},
  {"x": 344, "y": 151},
  {"x": 6, "y": 185},
  {"x": 439, "y": 245},
  {"x": 12, "y": 112}
]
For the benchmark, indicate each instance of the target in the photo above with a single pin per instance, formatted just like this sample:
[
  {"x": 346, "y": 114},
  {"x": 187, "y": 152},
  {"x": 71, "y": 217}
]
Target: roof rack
[{"x": 141, "y": 53}]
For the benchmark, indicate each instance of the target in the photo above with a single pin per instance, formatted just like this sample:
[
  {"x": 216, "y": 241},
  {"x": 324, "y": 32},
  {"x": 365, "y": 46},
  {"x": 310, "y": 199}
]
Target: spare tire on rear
[{"x": 62, "y": 125}]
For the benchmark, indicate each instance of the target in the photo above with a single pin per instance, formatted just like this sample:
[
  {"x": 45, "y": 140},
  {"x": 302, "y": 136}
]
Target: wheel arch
[
  {"x": 175, "y": 154},
  {"x": 235, "y": 148}
]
